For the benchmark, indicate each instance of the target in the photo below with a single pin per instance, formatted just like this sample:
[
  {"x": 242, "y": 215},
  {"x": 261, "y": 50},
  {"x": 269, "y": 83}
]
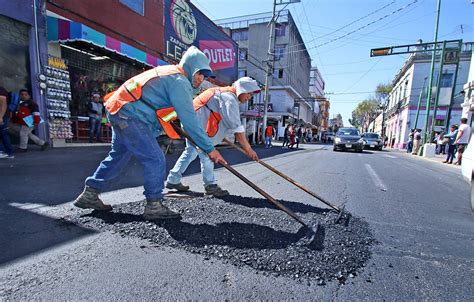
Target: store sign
[
  {"x": 185, "y": 26},
  {"x": 261, "y": 108}
]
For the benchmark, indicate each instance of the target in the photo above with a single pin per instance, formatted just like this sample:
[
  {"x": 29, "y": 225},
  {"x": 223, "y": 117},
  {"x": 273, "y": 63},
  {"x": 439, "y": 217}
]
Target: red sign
[{"x": 220, "y": 53}]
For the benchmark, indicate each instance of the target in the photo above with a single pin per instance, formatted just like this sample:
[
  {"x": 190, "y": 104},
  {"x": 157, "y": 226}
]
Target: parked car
[
  {"x": 467, "y": 166},
  {"x": 372, "y": 141},
  {"x": 348, "y": 138}
]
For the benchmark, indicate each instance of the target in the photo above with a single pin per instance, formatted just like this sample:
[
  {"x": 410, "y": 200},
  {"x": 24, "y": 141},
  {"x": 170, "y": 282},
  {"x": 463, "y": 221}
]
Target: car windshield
[
  {"x": 353, "y": 132},
  {"x": 371, "y": 135}
]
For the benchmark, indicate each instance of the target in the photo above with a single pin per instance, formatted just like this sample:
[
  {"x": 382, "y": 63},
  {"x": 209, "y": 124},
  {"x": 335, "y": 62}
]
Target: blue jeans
[
  {"x": 94, "y": 128},
  {"x": 189, "y": 154},
  {"x": 268, "y": 141},
  {"x": 5, "y": 138},
  {"x": 451, "y": 152},
  {"x": 132, "y": 137}
]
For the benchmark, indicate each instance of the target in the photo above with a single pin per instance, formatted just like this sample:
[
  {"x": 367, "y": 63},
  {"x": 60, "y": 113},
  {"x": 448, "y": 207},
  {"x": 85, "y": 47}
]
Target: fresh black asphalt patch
[{"x": 248, "y": 232}]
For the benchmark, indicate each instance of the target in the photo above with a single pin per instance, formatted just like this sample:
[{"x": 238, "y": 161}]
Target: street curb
[{"x": 426, "y": 159}]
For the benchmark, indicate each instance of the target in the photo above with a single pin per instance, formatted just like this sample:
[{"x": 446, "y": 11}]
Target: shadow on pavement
[
  {"x": 56, "y": 176},
  {"x": 25, "y": 232},
  {"x": 251, "y": 202},
  {"x": 231, "y": 234}
]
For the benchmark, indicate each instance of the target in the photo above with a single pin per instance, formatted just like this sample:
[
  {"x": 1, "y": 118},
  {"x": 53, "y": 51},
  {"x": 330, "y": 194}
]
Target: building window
[
  {"x": 446, "y": 80},
  {"x": 242, "y": 54},
  {"x": 242, "y": 73},
  {"x": 279, "y": 52},
  {"x": 278, "y": 73},
  {"x": 137, "y": 6},
  {"x": 241, "y": 35},
  {"x": 280, "y": 30}
]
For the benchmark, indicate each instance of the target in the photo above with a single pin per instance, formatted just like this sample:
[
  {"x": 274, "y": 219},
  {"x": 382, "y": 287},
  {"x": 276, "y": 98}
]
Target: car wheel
[
  {"x": 380, "y": 148},
  {"x": 359, "y": 150},
  {"x": 334, "y": 148}
]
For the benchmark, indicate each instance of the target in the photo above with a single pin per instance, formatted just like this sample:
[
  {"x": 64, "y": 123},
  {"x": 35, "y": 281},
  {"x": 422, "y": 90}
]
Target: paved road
[{"x": 418, "y": 211}]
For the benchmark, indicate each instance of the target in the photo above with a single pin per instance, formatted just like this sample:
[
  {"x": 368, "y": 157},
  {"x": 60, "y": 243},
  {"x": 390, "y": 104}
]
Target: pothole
[{"x": 248, "y": 232}]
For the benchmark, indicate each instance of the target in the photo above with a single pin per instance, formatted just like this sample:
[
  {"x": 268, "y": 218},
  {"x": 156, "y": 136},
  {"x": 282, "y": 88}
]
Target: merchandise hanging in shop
[{"x": 58, "y": 97}]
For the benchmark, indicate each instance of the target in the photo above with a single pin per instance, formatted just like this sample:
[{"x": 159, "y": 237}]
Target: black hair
[
  {"x": 24, "y": 90},
  {"x": 464, "y": 120}
]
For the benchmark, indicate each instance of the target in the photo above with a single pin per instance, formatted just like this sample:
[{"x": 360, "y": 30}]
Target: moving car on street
[
  {"x": 348, "y": 138},
  {"x": 372, "y": 141}
]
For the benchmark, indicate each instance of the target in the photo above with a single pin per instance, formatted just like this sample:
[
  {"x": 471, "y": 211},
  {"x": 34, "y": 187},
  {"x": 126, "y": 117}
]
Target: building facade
[
  {"x": 291, "y": 70},
  {"x": 411, "y": 82},
  {"x": 468, "y": 92},
  {"x": 23, "y": 49}
]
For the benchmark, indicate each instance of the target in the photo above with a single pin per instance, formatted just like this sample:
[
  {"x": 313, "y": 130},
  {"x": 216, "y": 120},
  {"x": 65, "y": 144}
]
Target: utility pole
[
  {"x": 438, "y": 89},
  {"x": 430, "y": 82},
  {"x": 271, "y": 57}
]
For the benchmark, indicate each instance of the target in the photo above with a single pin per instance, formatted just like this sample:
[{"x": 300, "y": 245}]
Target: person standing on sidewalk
[
  {"x": 95, "y": 117},
  {"x": 410, "y": 141},
  {"x": 6, "y": 149},
  {"x": 24, "y": 120},
  {"x": 416, "y": 141},
  {"x": 139, "y": 110},
  {"x": 451, "y": 146},
  {"x": 464, "y": 134},
  {"x": 218, "y": 112}
]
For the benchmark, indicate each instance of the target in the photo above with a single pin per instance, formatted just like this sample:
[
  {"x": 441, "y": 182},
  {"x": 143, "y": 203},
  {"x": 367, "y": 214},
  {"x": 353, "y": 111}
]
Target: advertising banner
[{"x": 185, "y": 26}]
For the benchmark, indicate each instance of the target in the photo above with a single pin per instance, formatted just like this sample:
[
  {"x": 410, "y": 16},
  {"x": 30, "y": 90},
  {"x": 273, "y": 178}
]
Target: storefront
[
  {"x": 96, "y": 64},
  {"x": 23, "y": 49}
]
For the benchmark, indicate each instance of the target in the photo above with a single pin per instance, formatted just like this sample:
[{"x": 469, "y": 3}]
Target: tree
[
  {"x": 365, "y": 112},
  {"x": 382, "y": 91}
]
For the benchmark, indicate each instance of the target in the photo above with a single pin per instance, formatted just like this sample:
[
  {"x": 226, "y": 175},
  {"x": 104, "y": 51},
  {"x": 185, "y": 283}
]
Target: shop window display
[{"x": 58, "y": 97}]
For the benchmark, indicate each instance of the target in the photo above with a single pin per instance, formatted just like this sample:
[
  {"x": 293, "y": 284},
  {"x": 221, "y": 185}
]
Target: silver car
[{"x": 372, "y": 141}]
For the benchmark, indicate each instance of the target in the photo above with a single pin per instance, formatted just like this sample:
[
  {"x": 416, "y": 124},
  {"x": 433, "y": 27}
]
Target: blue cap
[{"x": 207, "y": 73}]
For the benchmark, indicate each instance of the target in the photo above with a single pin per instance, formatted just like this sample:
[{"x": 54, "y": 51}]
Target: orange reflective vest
[
  {"x": 214, "y": 118},
  {"x": 131, "y": 91}
]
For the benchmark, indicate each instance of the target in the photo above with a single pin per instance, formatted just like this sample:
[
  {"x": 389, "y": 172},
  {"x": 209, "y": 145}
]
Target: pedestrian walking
[
  {"x": 286, "y": 136},
  {"x": 95, "y": 109},
  {"x": 410, "y": 141},
  {"x": 25, "y": 118},
  {"x": 416, "y": 141},
  {"x": 292, "y": 137},
  {"x": 6, "y": 149},
  {"x": 449, "y": 139},
  {"x": 218, "y": 112},
  {"x": 269, "y": 133},
  {"x": 462, "y": 139},
  {"x": 138, "y": 111},
  {"x": 299, "y": 136}
]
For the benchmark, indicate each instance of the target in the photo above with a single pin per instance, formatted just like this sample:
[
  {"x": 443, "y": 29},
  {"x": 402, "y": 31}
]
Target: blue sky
[{"x": 350, "y": 73}]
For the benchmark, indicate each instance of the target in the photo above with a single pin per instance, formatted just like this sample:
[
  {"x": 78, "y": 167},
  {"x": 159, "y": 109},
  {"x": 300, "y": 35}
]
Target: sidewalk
[{"x": 438, "y": 158}]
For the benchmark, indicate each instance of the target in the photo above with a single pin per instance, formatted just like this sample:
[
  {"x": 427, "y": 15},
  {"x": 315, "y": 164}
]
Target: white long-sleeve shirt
[{"x": 227, "y": 105}]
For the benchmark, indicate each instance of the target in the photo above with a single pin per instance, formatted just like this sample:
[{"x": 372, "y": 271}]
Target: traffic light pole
[
  {"x": 419, "y": 103},
  {"x": 430, "y": 82}
]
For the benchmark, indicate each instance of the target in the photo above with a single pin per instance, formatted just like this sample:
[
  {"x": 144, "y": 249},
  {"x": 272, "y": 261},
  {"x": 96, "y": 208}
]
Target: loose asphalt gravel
[{"x": 249, "y": 232}]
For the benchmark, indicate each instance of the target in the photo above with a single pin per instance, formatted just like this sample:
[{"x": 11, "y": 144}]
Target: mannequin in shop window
[{"x": 95, "y": 109}]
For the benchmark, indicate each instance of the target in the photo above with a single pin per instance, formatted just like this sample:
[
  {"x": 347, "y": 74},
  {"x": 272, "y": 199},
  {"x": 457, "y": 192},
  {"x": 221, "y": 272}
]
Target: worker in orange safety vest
[
  {"x": 138, "y": 111},
  {"x": 218, "y": 112}
]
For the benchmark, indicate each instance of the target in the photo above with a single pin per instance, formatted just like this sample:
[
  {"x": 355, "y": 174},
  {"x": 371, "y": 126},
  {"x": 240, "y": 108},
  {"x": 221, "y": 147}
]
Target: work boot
[
  {"x": 179, "y": 187},
  {"x": 89, "y": 199},
  {"x": 215, "y": 191},
  {"x": 154, "y": 209}
]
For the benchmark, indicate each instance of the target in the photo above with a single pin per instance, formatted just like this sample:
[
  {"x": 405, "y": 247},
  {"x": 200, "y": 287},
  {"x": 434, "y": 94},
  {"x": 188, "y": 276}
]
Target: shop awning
[{"x": 61, "y": 30}]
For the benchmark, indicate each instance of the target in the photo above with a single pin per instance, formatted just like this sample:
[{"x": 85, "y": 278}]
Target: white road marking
[
  {"x": 375, "y": 178},
  {"x": 389, "y": 156}
]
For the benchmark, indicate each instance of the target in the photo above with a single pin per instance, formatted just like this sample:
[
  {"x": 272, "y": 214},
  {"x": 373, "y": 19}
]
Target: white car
[{"x": 467, "y": 166}]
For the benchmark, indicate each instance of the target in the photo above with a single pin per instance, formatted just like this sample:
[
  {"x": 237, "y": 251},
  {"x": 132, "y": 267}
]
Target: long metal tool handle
[
  {"x": 248, "y": 182},
  {"x": 284, "y": 176}
]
